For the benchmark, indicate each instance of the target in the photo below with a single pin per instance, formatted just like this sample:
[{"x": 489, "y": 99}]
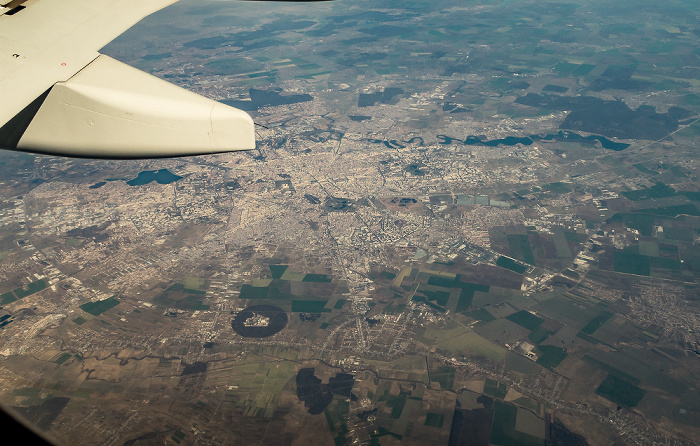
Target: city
[{"x": 423, "y": 246}]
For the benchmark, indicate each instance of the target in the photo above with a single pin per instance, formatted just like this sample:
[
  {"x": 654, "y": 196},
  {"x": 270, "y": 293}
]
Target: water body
[
  {"x": 508, "y": 141},
  {"x": 311, "y": 199},
  {"x": 561, "y": 135},
  {"x": 98, "y": 185},
  {"x": 162, "y": 176},
  {"x": 394, "y": 144}
]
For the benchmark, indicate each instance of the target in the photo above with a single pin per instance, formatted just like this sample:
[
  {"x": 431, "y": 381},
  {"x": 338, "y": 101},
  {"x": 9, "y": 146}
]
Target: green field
[
  {"x": 659, "y": 190},
  {"x": 672, "y": 211},
  {"x": 445, "y": 375},
  {"x": 63, "y": 358},
  {"x": 687, "y": 411},
  {"x": 624, "y": 262},
  {"x": 495, "y": 388},
  {"x": 316, "y": 278},
  {"x": 551, "y": 356},
  {"x": 263, "y": 292},
  {"x": 7, "y": 298},
  {"x": 508, "y": 263},
  {"x": 99, "y": 307},
  {"x": 565, "y": 68},
  {"x": 73, "y": 242},
  {"x": 178, "y": 436},
  {"x": 562, "y": 308},
  {"x": 388, "y": 275},
  {"x": 481, "y": 315},
  {"x": 184, "y": 288},
  {"x": 193, "y": 283},
  {"x": 540, "y": 334},
  {"x": 424, "y": 300},
  {"x": 309, "y": 306},
  {"x": 644, "y": 223},
  {"x": 32, "y": 288},
  {"x": 292, "y": 276},
  {"x": 396, "y": 403},
  {"x": 520, "y": 248},
  {"x": 278, "y": 270},
  {"x": 503, "y": 432},
  {"x": 467, "y": 342},
  {"x": 439, "y": 297},
  {"x": 526, "y": 319},
  {"x": 261, "y": 384},
  {"x": 611, "y": 370},
  {"x": 194, "y": 302},
  {"x": 449, "y": 331},
  {"x": 467, "y": 290},
  {"x": 649, "y": 248},
  {"x": 434, "y": 419},
  {"x": 632, "y": 263},
  {"x": 620, "y": 391},
  {"x": 597, "y": 322},
  {"x": 557, "y": 188}
]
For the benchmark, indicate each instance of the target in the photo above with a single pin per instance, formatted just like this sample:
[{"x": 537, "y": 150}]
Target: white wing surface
[{"x": 59, "y": 95}]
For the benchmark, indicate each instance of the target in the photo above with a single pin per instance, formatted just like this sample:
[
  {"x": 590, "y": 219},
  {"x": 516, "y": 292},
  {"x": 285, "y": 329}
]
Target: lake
[{"x": 162, "y": 176}]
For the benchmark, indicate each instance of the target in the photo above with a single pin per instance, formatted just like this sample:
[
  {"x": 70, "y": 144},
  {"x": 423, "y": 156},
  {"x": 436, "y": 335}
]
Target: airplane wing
[{"x": 58, "y": 95}]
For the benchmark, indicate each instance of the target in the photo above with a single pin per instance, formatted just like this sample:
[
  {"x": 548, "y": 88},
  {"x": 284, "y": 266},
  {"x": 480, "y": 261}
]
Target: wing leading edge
[{"x": 60, "y": 96}]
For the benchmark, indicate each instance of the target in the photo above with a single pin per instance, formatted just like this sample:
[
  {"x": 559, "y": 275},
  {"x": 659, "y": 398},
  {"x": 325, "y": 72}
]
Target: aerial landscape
[{"x": 465, "y": 223}]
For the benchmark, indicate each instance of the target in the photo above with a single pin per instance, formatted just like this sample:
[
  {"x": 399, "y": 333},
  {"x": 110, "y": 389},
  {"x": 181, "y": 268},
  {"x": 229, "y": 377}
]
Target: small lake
[
  {"x": 162, "y": 176},
  {"x": 98, "y": 185}
]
